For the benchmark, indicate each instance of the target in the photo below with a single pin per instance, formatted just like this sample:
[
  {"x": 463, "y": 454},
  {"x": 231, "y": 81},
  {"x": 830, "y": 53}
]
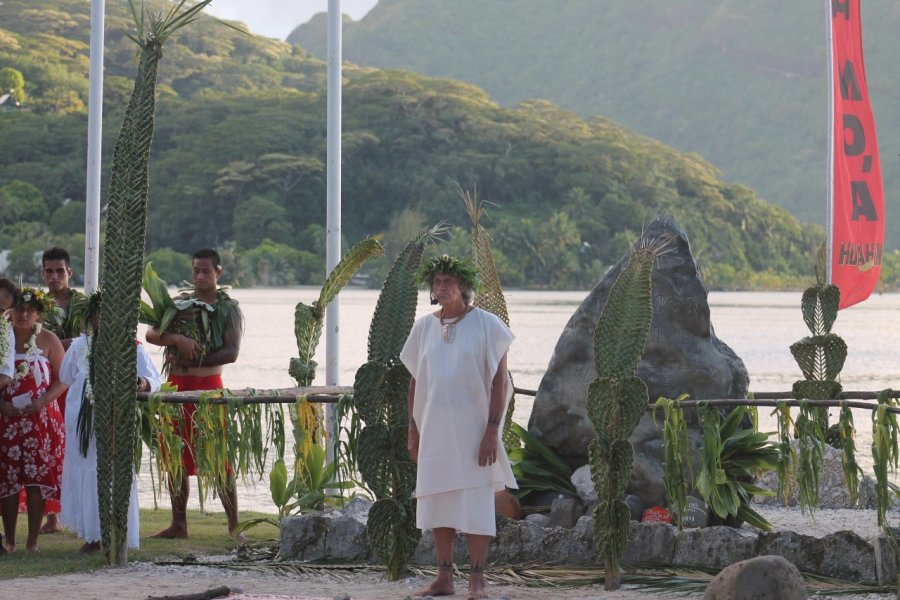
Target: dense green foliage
[
  {"x": 741, "y": 83},
  {"x": 240, "y": 146}
]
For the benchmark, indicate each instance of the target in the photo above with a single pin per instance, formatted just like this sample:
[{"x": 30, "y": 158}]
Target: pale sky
[{"x": 277, "y": 18}]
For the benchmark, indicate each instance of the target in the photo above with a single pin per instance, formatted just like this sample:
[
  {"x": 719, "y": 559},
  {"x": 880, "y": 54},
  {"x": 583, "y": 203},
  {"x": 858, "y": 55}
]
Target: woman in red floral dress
[{"x": 32, "y": 432}]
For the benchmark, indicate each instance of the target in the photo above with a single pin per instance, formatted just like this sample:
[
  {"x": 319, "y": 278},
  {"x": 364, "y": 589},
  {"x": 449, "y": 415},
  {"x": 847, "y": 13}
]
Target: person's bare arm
[
  {"x": 412, "y": 438},
  {"x": 487, "y": 450},
  {"x": 227, "y": 354},
  {"x": 53, "y": 349},
  {"x": 187, "y": 348}
]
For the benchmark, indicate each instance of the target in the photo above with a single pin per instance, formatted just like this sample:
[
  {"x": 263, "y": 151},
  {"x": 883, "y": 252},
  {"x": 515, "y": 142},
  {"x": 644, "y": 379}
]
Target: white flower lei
[
  {"x": 31, "y": 351},
  {"x": 5, "y": 346},
  {"x": 85, "y": 366}
]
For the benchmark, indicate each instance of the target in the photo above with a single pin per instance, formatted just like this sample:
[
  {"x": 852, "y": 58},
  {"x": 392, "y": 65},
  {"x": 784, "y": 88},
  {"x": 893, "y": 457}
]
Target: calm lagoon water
[{"x": 759, "y": 327}]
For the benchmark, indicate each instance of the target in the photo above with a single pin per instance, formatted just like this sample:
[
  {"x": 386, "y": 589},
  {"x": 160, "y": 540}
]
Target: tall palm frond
[{"x": 126, "y": 227}]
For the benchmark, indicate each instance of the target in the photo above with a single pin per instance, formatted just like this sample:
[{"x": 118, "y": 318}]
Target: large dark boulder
[{"x": 682, "y": 356}]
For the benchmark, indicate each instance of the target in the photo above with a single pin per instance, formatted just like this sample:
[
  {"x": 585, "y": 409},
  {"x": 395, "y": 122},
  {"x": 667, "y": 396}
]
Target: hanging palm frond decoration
[
  {"x": 617, "y": 399},
  {"x": 380, "y": 392},
  {"x": 126, "y": 225},
  {"x": 309, "y": 319},
  {"x": 821, "y": 357},
  {"x": 490, "y": 296}
]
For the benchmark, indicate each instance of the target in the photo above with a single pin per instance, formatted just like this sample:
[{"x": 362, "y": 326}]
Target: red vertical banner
[{"x": 858, "y": 213}]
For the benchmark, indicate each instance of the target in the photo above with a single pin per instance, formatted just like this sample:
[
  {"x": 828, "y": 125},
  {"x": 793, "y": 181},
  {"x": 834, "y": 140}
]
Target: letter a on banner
[{"x": 856, "y": 194}]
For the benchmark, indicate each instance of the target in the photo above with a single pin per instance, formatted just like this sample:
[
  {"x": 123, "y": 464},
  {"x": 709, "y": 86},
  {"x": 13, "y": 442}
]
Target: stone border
[{"x": 337, "y": 536}]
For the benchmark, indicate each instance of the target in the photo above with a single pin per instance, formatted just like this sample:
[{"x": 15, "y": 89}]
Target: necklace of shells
[{"x": 448, "y": 327}]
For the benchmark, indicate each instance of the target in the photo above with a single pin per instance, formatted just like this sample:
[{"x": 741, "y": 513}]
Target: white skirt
[
  {"x": 470, "y": 510},
  {"x": 79, "y": 500}
]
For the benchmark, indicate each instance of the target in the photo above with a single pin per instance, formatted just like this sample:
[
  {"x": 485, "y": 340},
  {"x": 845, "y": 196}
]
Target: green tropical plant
[
  {"x": 537, "y": 468},
  {"x": 731, "y": 458},
  {"x": 380, "y": 389},
  {"x": 885, "y": 453},
  {"x": 311, "y": 489},
  {"x": 126, "y": 227},
  {"x": 617, "y": 399},
  {"x": 676, "y": 449},
  {"x": 183, "y": 315}
]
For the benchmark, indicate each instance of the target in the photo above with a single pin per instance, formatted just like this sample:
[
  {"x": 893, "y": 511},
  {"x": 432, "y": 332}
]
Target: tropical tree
[{"x": 12, "y": 82}]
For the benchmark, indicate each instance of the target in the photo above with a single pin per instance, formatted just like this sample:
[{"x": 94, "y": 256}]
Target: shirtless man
[
  {"x": 56, "y": 270},
  {"x": 191, "y": 369}
]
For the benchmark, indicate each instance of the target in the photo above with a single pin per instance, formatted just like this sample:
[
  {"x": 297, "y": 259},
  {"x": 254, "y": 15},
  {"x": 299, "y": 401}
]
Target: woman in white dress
[
  {"x": 457, "y": 404},
  {"x": 80, "y": 504}
]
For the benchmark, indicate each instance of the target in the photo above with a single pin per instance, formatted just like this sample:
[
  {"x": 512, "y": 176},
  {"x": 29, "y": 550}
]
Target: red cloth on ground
[
  {"x": 190, "y": 383},
  {"x": 32, "y": 447}
]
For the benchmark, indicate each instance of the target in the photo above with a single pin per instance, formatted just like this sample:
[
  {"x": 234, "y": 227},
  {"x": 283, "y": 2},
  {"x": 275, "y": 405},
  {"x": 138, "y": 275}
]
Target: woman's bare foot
[
  {"x": 32, "y": 549},
  {"x": 172, "y": 532},
  {"x": 476, "y": 587},
  {"x": 51, "y": 525},
  {"x": 89, "y": 547},
  {"x": 10, "y": 548},
  {"x": 441, "y": 586}
]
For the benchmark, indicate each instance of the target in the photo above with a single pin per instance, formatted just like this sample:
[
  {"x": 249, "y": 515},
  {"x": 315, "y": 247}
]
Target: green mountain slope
[
  {"x": 741, "y": 83},
  {"x": 239, "y": 151}
]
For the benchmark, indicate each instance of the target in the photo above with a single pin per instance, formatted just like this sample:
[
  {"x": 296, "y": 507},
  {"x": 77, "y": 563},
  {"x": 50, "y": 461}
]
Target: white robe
[
  {"x": 80, "y": 505},
  {"x": 450, "y": 408}
]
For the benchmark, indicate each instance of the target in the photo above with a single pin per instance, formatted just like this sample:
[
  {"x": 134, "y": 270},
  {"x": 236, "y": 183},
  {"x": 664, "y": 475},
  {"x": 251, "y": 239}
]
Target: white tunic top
[
  {"x": 79, "y": 503},
  {"x": 453, "y": 393}
]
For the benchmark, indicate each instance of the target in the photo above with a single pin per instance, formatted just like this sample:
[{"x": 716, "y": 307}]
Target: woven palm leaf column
[
  {"x": 617, "y": 400},
  {"x": 380, "y": 394},
  {"x": 821, "y": 357},
  {"x": 126, "y": 225},
  {"x": 490, "y": 296}
]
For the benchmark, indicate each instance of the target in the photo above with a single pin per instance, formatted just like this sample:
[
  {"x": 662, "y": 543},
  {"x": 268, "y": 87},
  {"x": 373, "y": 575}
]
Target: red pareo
[{"x": 32, "y": 447}]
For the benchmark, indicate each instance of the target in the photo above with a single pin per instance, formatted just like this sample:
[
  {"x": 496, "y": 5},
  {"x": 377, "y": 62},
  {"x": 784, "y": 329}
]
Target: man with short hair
[
  {"x": 192, "y": 367},
  {"x": 56, "y": 270}
]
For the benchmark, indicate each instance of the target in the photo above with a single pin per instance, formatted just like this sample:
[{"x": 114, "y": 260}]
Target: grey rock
[
  {"x": 584, "y": 485},
  {"x": 424, "y": 554},
  {"x": 303, "y": 537},
  {"x": 843, "y": 554},
  {"x": 682, "y": 355},
  {"x": 635, "y": 506},
  {"x": 650, "y": 543},
  {"x": 770, "y": 577},
  {"x": 517, "y": 541},
  {"x": 713, "y": 546},
  {"x": 885, "y": 559},
  {"x": 565, "y": 512},
  {"x": 833, "y": 492},
  {"x": 697, "y": 514},
  {"x": 342, "y": 597},
  {"x": 358, "y": 506},
  {"x": 540, "y": 519},
  {"x": 329, "y": 534}
]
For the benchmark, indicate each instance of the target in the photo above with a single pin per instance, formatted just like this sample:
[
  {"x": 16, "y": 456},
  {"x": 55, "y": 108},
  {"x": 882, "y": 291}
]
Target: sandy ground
[{"x": 140, "y": 580}]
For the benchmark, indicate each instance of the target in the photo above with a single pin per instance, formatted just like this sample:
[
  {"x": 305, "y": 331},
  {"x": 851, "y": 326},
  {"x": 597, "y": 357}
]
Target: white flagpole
[
  {"x": 829, "y": 209},
  {"x": 333, "y": 239},
  {"x": 95, "y": 142}
]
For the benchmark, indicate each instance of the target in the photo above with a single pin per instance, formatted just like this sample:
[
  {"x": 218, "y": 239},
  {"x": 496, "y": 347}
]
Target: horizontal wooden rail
[
  {"x": 320, "y": 394},
  {"x": 332, "y": 394}
]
